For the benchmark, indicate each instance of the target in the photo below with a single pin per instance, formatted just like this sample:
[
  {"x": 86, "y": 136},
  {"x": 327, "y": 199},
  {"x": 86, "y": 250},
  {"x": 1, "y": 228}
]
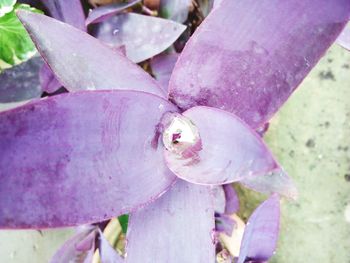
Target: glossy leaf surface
[
  {"x": 230, "y": 150},
  {"x": 80, "y": 157},
  {"x": 143, "y": 36},
  {"x": 177, "y": 227},
  {"x": 87, "y": 63},
  {"x": 248, "y": 56}
]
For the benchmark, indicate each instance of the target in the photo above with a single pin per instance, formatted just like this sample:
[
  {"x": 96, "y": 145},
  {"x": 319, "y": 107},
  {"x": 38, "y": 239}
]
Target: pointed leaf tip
[
  {"x": 152, "y": 35},
  {"x": 276, "y": 181},
  {"x": 82, "y": 62}
]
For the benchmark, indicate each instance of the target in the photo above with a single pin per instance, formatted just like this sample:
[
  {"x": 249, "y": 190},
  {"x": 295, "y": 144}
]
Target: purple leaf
[
  {"x": 230, "y": 151},
  {"x": 176, "y": 10},
  {"x": 276, "y": 181},
  {"x": 70, "y": 12},
  {"x": 87, "y": 63},
  {"x": 143, "y": 36},
  {"x": 78, "y": 248},
  {"x": 224, "y": 224},
  {"x": 107, "y": 253},
  {"x": 251, "y": 68},
  {"x": 21, "y": 82},
  {"x": 344, "y": 38},
  {"x": 178, "y": 227},
  {"x": 261, "y": 232},
  {"x": 80, "y": 157},
  {"x": 232, "y": 202},
  {"x": 102, "y": 13},
  {"x": 47, "y": 79},
  {"x": 162, "y": 67},
  {"x": 226, "y": 199},
  {"x": 219, "y": 199}
]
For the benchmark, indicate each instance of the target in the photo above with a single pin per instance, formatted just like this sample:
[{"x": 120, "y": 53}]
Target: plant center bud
[{"x": 180, "y": 135}]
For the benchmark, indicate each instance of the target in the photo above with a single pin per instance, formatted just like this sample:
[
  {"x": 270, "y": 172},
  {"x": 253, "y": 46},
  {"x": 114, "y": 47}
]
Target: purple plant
[{"x": 123, "y": 147}]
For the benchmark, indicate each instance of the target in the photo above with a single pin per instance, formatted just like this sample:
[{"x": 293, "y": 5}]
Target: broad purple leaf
[
  {"x": 82, "y": 62},
  {"x": 101, "y": 13},
  {"x": 248, "y": 56},
  {"x": 80, "y": 157},
  {"x": 70, "y": 12},
  {"x": 178, "y": 227},
  {"x": 78, "y": 247},
  {"x": 107, "y": 253},
  {"x": 162, "y": 67},
  {"x": 231, "y": 198},
  {"x": 176, "y": 10},
  {"x": 21, "y": 82},
  {"x": 344, "y": 38},
  {"x": 276, "y": 181},
  {"x": 47, "y": 79},
  {"x": 143, "y": 36},
  {"x": 261, "y": 232},
  {"x": 230, "y": 150}
]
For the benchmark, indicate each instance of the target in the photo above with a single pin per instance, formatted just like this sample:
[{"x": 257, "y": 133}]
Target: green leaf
[
  {"x": 6, "y": 6},
  {"x": 123, "y": 220},
  {"x": 15, "y": 43}
]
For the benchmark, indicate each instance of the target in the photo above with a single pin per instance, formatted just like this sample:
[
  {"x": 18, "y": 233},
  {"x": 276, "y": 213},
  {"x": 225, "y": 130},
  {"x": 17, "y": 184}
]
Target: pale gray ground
[{"x": 311, "y": 138}]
